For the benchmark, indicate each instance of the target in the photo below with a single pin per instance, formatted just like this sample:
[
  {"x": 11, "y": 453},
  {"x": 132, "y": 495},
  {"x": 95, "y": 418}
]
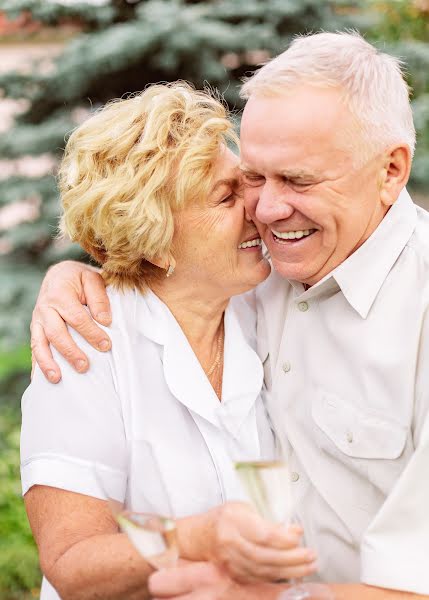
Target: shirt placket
[{"x": 289, "y": 386}]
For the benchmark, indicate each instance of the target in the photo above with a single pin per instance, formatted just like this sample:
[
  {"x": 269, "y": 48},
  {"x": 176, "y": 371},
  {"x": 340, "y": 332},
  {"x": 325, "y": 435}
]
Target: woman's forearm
[
  {"x": 102, "y": 566},
  {"x": 195, "y": 536}
]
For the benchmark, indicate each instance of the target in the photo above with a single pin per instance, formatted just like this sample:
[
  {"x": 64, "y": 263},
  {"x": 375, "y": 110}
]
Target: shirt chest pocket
[{"x": 369, "y": 444}]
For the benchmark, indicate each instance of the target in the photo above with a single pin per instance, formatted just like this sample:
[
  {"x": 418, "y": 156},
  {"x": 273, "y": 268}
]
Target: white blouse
[{"x": 151, "y": 387}]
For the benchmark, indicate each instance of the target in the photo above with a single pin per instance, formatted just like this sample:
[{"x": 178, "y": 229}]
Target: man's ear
[{"x": 395, "y": 173}]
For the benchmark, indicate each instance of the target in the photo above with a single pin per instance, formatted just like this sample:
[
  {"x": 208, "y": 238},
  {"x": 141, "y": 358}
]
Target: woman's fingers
[
  {"x": 42, "y": 355},
  {"x": 251, "y": 548},
  {"x": 271, "y": 574},
  {"x": 239, "y": 520},
  {"x": 275, "y": 536},
  {"x": 247, "y": 563},
  {"x": 285, "y": 574},
  {"x": 260, "y": 556},
  {"x": 94, "y": 290}
]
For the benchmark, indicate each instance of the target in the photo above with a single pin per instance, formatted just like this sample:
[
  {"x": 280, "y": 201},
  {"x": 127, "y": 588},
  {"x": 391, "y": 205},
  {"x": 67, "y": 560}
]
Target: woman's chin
[{"x": 255, "y": 275}]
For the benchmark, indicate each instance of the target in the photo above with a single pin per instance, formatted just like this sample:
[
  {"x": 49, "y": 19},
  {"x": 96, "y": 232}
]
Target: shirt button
[
  {"x": 286, "y": 366},
  {"x": 349, "y": 437},
  {"x": 294, "y": 476},
  {"x": 303, "y": 306}
]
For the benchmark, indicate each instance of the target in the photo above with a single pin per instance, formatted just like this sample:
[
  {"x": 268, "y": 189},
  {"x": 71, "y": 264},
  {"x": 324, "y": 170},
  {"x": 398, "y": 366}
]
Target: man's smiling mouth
[{"x": 287, "y": 236}]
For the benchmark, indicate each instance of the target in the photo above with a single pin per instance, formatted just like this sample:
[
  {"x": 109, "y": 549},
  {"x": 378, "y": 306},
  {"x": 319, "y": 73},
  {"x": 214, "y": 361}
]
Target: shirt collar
[
  {"x": 243, "y": 371},
  {"x": 361, "y": 276}
]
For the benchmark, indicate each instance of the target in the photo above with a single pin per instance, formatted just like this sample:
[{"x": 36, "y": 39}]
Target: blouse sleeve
[{"x": 70, "y": 427}]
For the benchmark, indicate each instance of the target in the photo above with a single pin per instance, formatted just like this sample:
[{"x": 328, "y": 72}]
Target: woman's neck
[{"x": 199, "y": 317}]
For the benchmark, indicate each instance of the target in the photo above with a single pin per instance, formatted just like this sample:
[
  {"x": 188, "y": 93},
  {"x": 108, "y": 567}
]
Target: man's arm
[
  {"x": 66, "y": 288},
  {"x": 204, "y": 581}
]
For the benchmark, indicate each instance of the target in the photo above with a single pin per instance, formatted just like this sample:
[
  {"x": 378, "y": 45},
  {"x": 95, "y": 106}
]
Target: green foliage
[
  {"x": 403, "y": 20},
  {"x": 19, "y": 568},
  {"x": 19, "y": 359},
  {"x": 404, "y": 32},
  {"x": 36, "y": 139},
  {"x": 52, "y": 13}
]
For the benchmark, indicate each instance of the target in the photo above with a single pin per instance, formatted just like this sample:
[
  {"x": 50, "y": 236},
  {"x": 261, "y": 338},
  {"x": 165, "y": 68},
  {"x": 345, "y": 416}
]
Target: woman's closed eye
[{"x": 230, "y": 199}]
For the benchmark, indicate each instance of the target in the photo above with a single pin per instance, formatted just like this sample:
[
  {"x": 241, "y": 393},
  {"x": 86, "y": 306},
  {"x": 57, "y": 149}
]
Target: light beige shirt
[{"x": 347, "y": 363}]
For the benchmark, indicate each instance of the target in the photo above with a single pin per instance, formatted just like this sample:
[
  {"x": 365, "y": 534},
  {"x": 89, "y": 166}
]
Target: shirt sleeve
[
  {"x": 73, "y": 431},
  {"x": 395, "y": 547}
]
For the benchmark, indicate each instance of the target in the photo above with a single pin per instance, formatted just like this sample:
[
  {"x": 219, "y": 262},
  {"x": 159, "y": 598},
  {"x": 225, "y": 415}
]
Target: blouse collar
[{"x": 186, "y": 379}]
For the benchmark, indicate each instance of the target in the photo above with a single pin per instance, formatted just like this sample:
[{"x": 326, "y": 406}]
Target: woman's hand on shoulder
[
  {"x": 66, "y": 288},
  {"x": 251, "y": 549}
]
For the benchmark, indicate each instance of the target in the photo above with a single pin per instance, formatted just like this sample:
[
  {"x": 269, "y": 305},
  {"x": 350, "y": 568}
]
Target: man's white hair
[{"x": 372, "y": 82}]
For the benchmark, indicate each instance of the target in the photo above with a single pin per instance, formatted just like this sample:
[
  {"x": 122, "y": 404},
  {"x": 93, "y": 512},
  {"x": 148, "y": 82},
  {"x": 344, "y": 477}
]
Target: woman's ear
[
  {"x": 395, "y": 173},
  {"x": 168, "y": 264}
]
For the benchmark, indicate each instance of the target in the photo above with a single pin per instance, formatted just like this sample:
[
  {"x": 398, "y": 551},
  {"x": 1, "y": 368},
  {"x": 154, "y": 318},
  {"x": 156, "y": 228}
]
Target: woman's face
[{"x": 216, "y": 245}]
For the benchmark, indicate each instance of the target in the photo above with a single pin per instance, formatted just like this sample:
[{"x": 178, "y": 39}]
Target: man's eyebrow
[
  {"x": 288, "y": 173},
  {"x": 299, "y": 174},
  {"x": 244, "y": 169}
]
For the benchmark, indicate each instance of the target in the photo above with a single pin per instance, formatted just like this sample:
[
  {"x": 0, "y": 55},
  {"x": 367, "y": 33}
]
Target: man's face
[{"x": 313, "y": 207}]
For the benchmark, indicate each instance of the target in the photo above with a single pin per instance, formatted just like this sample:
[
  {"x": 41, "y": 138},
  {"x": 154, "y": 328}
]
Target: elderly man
[{"x": 327, "y": 142}]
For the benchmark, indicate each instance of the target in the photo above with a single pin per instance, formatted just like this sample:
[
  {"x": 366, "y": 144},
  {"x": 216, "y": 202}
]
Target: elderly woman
[{"x": 151, "y": 191}]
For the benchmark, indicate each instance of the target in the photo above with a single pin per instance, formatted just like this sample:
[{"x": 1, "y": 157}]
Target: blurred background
[{"x": 61, "y": 59}]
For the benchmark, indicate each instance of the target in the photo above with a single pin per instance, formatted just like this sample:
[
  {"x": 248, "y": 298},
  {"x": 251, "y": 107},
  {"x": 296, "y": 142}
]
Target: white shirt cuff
[
  {"x": 394, "y": 569},
  {"x": 73, "y": 475}
]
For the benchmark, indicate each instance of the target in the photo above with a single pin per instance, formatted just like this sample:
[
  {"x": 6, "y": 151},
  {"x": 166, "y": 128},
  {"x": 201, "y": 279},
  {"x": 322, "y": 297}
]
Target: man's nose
[{"x": 272, "y": 205}]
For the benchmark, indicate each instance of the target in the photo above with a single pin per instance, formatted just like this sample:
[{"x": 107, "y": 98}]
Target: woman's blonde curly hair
[{"x": 130, "y": 167}]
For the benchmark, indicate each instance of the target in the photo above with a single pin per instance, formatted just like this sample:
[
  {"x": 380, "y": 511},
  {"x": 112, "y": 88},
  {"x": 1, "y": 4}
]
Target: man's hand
[
  {"x": 251, "y": 549},
  {"x": 205, "y": 581},
  {"x": 67, "y": 287}
]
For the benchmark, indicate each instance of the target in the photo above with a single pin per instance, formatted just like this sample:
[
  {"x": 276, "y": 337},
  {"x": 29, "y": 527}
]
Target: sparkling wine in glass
[
  {"x": 152, "y": 535},
  {"x": 267, "y": 483},
  {"x": 146, "y": 517}
]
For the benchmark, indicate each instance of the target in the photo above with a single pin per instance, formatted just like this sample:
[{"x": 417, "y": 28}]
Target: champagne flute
[
  {"x": 267, "y": 483},
  {"x": 146, "y": 517}
]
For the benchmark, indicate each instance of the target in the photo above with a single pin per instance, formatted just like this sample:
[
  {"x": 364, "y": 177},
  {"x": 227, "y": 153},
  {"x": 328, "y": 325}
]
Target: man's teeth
[
  {"x": 251, "y": 243},
  {"x": 293, "y": 235}
]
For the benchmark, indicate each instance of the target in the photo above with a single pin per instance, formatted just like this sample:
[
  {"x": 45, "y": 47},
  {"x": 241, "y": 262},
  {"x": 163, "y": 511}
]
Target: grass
[{"x": 19, "y": 569}]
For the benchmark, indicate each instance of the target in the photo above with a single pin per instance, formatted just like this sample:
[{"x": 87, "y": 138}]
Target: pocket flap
[{"x": 358, "y": 433}]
